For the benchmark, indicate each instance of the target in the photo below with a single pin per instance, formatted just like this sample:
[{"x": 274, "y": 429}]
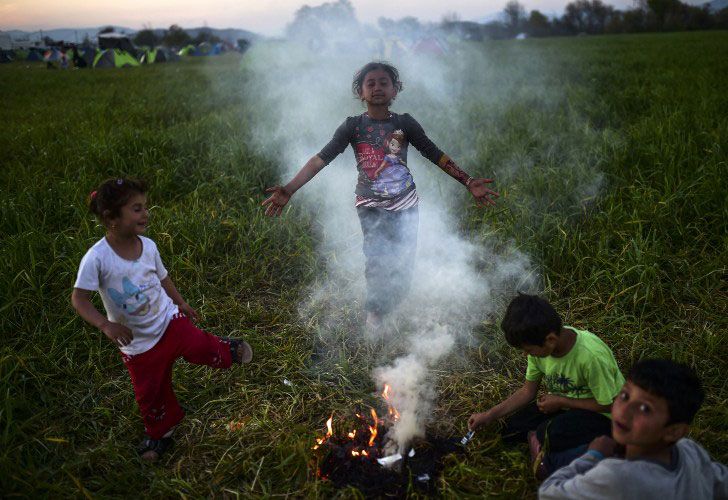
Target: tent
[
  {"x": 149, "y": 57},
  {"x": 34, "y": 55},
  {"x": 430, "y": 46},
  {"x": 158, "y": 55},
  {"x": 88, "y": 54},
  {"x": 114, "y": 58},
  {"x": 203, "y": 49},
  {"x": 187, "y": 51},
  {"x": 6, "y": 56}
]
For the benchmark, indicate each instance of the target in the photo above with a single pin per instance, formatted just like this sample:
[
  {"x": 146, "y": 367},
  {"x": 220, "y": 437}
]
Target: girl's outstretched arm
[
  {"x": 281, "y": 194},
  {"x": 478, "y": 187}
]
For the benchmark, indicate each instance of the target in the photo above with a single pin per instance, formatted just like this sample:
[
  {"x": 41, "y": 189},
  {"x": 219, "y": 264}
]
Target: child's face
[
  {"x": 640, "y": 418},
  {"x": 541, "y": 351},
  {"x": 134, "y": 216},
  {"x": 377, "y": 88}
]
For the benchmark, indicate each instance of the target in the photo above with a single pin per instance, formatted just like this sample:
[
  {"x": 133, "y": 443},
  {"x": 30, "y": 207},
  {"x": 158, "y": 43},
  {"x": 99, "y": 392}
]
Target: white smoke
[{"x": 300, "y": 93}]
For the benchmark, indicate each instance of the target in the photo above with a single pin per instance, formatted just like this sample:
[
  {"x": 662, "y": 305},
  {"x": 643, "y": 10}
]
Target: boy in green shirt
[{"x": 581, "y": 380}]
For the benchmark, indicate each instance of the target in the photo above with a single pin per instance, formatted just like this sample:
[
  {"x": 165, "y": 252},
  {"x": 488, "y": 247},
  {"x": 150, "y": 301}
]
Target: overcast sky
[{"x": 268, "y": 17}]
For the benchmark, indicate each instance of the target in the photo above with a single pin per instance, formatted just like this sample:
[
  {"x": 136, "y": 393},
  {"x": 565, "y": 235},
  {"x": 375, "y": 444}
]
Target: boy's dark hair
[
  {"x": 356, "y": 84},
  {"x": 676, "y": 383},
  {"x": 528, "y": 320},
  {"x": 106, "y": 202}
]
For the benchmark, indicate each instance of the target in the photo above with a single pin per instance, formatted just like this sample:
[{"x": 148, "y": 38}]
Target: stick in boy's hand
[
  {"x": 482, "y": 193},
  {"x": 275, "y": 201},
  {"x": 466, "y": 439}
]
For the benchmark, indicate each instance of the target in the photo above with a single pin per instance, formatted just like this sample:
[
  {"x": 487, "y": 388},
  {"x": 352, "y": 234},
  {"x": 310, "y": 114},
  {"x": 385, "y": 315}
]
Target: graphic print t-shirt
[
  {"x": 589, "y": 370},
  {"x": 380, "y": 148},
  {"x": 131, "y": 291}
]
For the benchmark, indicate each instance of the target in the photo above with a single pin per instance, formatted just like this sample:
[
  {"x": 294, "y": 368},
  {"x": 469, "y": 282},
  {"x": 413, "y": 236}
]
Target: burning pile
[{"x": 358, "y": 457}]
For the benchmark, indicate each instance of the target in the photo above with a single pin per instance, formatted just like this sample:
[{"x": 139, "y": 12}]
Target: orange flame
[
  {"x": 354, "y": 453},
  {"x": 373, "y": 429},
  {"x": 352, "y": 434},
  {"x": 329, "y": 433},
  {"x": 364, "y": 453},
  {"x": 392, "y": 412}
]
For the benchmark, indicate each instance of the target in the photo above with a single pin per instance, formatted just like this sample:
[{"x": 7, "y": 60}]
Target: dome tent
[
  {"x": 34, "y": 55},
  {"x": 114, "y": 58}
]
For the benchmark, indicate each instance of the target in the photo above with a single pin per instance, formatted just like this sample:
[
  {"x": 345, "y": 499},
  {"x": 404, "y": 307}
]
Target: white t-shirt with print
[{"x": 130, "y": 290}]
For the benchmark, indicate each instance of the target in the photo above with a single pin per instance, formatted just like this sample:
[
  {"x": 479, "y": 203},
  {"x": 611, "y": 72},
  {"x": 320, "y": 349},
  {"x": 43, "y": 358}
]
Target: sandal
[
  {"x": 235, "y": 344},
  {"x": 157, "y": 446}
]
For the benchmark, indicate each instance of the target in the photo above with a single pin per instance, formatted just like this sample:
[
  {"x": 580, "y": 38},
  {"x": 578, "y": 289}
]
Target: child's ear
[
  {"x": 675, "y": 432},
  {"x": 551, "y": 339}
]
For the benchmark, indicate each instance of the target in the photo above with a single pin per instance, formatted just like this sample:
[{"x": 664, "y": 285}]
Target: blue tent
[{"x": 34, "y": 55}]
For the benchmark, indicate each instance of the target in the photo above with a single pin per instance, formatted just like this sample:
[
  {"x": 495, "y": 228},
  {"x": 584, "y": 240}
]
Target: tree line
[
  {"x": 594, "y": 17},
  {"x": 580, "y": 17}
]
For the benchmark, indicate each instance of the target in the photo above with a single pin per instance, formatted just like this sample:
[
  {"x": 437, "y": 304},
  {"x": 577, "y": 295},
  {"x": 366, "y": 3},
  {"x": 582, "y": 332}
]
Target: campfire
[{"x": 352, "y": 453}]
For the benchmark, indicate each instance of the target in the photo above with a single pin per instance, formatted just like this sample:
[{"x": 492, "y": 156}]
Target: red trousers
[{"x": 151, "y": 371}]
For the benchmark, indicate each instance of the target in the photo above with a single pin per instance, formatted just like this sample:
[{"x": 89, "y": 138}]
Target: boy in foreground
[
  {"x": 581, "y": 379},
  {"x": 650, "y": 418}
]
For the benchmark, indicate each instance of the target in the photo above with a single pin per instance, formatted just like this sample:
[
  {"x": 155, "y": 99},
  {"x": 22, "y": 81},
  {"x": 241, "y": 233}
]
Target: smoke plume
[{"x": 299, "y": 90}]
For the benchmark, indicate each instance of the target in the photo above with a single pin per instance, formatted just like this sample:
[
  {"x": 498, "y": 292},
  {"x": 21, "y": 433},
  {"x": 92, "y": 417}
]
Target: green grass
[{"x": 643, "y": 263}]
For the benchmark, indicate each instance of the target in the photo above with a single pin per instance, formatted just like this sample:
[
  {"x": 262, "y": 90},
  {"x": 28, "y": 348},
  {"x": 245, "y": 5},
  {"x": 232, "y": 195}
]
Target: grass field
[{"x": 643, "y": 264}]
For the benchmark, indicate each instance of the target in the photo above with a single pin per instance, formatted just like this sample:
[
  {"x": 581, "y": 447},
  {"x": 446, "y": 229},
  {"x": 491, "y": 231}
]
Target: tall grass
[{"x": 643, "y": 263}]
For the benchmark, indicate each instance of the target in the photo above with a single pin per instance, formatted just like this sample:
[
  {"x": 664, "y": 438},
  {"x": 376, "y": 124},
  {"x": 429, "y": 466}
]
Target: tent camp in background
[{"x": 114, "y": 58}]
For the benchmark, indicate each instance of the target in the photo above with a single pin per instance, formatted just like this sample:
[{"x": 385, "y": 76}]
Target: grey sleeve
[
  {"x": 584, "y": 478},
  {"x": 720, "y": 483},
  {"x": 338, "y": 143},
  {"x": 417, "y": 137}
]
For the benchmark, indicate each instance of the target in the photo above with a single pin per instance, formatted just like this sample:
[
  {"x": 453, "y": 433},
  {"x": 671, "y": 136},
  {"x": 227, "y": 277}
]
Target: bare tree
[{"x": 515, "y": 16}]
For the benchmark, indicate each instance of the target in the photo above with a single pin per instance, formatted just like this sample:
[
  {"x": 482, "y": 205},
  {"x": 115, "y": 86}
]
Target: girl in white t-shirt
[{"x": 146, "y": 317}]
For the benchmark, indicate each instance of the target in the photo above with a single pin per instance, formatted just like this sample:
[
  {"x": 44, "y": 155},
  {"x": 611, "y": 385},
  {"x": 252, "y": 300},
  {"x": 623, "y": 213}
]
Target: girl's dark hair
[
  {"x": 676, "y": 383},
  {"x": 356, "y": 84},
  {"x": 528, "y": 320},
  {"x": 106, "y": 202}
]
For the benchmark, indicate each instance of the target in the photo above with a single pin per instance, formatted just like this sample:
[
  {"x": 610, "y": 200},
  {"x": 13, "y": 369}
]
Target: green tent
[
  {"x": 188, "y": 51},
  {"x": 114, "y": 58},
  {"x": 149, "y": 56}
]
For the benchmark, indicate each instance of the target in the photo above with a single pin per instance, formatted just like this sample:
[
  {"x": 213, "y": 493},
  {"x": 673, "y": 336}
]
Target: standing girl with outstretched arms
[{"x": 386, "y": 197}]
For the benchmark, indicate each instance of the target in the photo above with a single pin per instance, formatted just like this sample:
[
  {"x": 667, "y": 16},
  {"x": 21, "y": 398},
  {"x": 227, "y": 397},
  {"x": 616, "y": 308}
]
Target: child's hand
[
  {"x": 604, "y": 445},
  {"x": 482, "y": 194},
  {"x": 549, "y": 403},
  {"x": 276, "y": 201},
  {"x": 118, "y": 334},
  {"x": 477, "y": 420},
  {"x": 188, "y": 311}
]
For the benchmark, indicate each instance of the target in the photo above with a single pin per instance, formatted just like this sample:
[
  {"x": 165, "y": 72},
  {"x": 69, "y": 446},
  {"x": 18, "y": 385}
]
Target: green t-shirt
[{"x": 588, "y": 370}]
